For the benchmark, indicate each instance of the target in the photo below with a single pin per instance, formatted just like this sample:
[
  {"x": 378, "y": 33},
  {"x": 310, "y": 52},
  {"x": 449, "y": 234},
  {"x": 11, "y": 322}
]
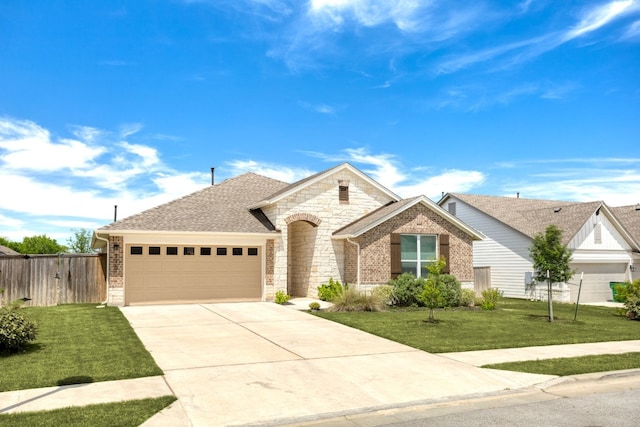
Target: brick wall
[
  {"x": 115, "y": 285},
  {"x": 375, "y": 245}
]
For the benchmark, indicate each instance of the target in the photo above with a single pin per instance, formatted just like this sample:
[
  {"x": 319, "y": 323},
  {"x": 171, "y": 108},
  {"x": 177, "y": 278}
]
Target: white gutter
[
  {"x": 106, "y": 297},
  {"x": 358, "y": 263}
]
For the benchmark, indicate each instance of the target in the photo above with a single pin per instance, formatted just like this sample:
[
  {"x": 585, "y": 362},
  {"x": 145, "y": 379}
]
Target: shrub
[
  {"x": 314, "y": 305},
  {"x": 407, "y": 290},
  {"x": 331, "y": 290},
  {"x": 631, "y": 298},
  {"x": 16, "y": 329},
  {"x": 352, "y": 299},
  {"x": 385, "y": 292},
  {"x": 450, "y": 290},
  {"x": 282, "y": 297},
  {"x": 467, "y": 297},
  {"x": 490, "y": 298}
]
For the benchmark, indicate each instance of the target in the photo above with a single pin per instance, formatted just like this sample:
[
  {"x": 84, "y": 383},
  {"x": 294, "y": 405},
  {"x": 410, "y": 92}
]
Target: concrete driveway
[{"x": 262, "y": 363}]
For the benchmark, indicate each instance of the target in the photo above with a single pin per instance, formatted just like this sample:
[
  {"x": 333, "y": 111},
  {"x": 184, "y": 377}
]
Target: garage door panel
[
  {"x": 595, "y": 282},
  {"x": 172, "y": 278}
]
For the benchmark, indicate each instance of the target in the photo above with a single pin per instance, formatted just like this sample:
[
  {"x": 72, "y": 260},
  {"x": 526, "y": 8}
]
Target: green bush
[
  {"x": 282, "y": 297},
  {"x": 16, "y": 329},
  {"x": 407, "y": 290},
  {"x": 631, "y": 297},
  {"x": 490, "y": 298},
  {"x": 450, "y": 290},
  {"x": 467, "y": 297},
  {"x": 315, "y": 305},
  {"x": 331, "y": 290},
  {"x": 352, "y": 299}
]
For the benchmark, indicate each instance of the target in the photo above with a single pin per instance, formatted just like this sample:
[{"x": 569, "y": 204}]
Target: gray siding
[{"x": 503, "y": 249}]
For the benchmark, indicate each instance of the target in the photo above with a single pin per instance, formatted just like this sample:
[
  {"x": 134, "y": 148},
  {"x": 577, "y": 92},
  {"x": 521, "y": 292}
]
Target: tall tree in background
[
  {"x": 9, "y": 244},
  {"x": 80, "y": 243},
  {"x": 550, "y": 260},
  {"x": 41, "y": 244}
]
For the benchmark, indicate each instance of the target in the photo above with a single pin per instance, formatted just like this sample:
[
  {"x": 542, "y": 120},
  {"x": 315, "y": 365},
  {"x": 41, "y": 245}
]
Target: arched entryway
[{"x": 301, "y": 243}]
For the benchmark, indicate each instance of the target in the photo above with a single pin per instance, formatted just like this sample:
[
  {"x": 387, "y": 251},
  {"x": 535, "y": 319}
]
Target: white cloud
[
  {"x": 599, "y": 16},
  {"x": 27, "y": 146},
  {"x": 130, "y": 129},
  {"x": 448, "y": 181},
  {"x": 275, "y": 171}
]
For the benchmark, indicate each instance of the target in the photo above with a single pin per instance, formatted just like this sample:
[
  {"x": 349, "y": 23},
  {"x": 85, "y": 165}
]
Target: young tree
[
  {"x": 550, "y": 260},
  {"x": 431, "y": 294},
  {"x": 80, "y": 243}
]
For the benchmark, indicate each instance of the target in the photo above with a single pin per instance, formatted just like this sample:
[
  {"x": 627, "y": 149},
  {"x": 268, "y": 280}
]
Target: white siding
[
  {"x": 585, "y": 238},
  {"x": 503, "y": 249}
]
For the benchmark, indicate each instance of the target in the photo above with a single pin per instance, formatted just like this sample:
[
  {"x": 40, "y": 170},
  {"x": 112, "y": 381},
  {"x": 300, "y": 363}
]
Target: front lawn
[
  {"x": 573, "y": 365},
  {"x": 77, "y": 343},
  {"x": 122, "y": 414},
  {"x": 515, "y": 323}
]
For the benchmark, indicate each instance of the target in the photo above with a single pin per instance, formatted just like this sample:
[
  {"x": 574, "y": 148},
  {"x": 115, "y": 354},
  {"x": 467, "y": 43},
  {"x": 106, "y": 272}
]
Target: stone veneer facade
[
  {"x": 305, "y": 254},
  {"x": 375, "y": 246}
]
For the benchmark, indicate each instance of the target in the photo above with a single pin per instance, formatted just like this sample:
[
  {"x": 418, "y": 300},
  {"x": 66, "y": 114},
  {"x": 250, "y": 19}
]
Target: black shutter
[
  {"x": 444, "y": 251},
  {"x": 396, "y": 265}
]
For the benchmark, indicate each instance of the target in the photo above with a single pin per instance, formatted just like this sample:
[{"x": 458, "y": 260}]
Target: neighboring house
[
  {"x": 603, "y": 250},
  {"x": 250, "y": 236},
  {"x": 629, "y": 216},
  {"x": 7, "y": 251}
]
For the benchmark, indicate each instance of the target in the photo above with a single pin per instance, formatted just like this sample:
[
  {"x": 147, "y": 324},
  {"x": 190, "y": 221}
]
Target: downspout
[
  {"x": 106, "y": 297},
  {"x": 357, "y": 245}
]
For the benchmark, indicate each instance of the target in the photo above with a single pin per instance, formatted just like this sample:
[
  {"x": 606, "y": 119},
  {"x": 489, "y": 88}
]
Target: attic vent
[
  {"x": 556, "y": 210},
  {"x": 343, "y": 191},
  {"x": 638, "y": 207},
  {"x": 452, "y": 208},
  {"x": 597, "y": 234}
]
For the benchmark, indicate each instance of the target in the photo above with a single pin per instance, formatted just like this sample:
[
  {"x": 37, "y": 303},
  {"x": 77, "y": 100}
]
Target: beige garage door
[
  {"x": 595, "y": 282},
  {"x": 166, "y": 273}
]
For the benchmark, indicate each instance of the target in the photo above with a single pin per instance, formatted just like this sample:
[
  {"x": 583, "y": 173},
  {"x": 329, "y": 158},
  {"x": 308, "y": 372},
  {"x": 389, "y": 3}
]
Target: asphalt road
[
  {"x": 604, "y": 399},
  {"x": 615, "y": 409}
]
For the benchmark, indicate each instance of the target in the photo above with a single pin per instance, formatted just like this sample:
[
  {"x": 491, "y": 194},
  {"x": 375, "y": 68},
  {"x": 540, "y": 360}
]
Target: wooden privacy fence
[
  {"x": 481, "y": 279},
  {"x": 54, "y": 279}
]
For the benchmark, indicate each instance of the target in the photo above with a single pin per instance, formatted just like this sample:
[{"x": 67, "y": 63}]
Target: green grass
[
  {"x": 120, "y": 414},
  {"x": 515, "y": 323},
  {"x": 573, "y": 365},
  {"x": 77, "y": 343}
]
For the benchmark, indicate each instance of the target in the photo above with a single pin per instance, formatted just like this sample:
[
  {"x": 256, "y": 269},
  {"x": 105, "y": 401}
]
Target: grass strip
[
  {"x": 129, "y": 413},
  {"x": 515, "y": 323},
  {"x": 573, "y": 365},
  {"x": 77, "y": 343}
]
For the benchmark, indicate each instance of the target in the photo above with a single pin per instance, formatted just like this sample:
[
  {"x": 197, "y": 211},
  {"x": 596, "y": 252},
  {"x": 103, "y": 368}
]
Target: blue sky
[{"x": 130, "y": 103}]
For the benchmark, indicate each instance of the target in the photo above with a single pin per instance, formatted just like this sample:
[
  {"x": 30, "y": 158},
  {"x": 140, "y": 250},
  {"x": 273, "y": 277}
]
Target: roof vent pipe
[
  {"x": 638, "y": 207},
  {"x": 212, "y": 175},
  {"x": 518, "y": 195},
  {"x": 115, "y": 213}
]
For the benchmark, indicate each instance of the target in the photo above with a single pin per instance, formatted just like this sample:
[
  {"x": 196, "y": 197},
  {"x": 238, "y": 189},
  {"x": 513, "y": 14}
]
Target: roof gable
[
  {"x": 629, "y": 217},
  {"x": 533, "y": 216},
  {"x": 218, "y": 208},
  {"x": 313, "y": 179},
  {"x": 389, "y": 211}
]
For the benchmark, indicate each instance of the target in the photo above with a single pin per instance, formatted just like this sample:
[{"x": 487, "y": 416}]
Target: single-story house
[
  {"x": 247, "y": 237},
  {"x": 603, "y": 249},
  {"x": 629, "y": 217}
]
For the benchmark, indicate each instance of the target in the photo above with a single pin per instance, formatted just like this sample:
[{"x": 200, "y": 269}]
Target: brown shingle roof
[
  {"x": 532, "y": 216},
  {"x": 629, "y": 217},
  {"x": 218, "y": 208},
  {"x": 373, "y": 217}
]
